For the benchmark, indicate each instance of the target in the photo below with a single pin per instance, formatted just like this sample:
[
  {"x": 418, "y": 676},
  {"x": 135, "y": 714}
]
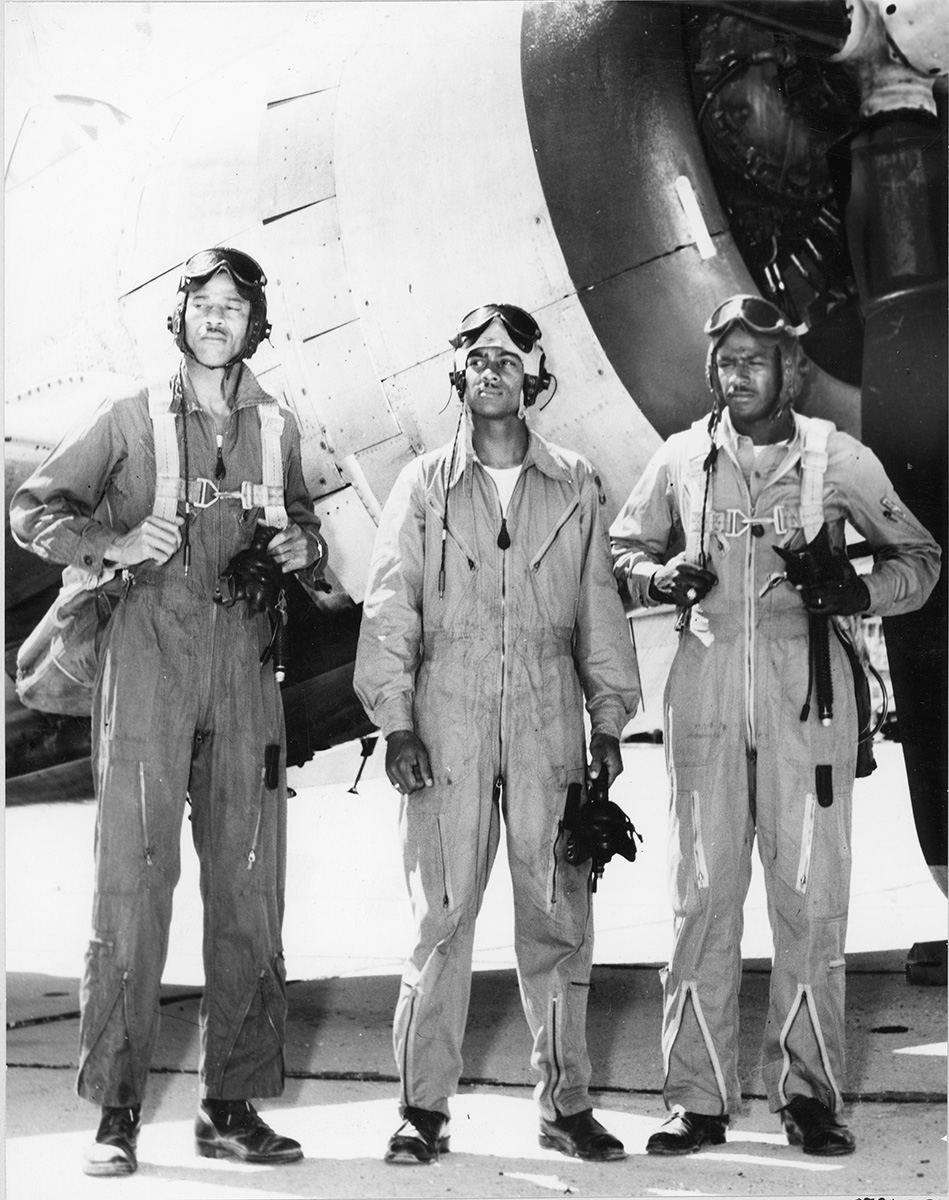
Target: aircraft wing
[{"x": 394, "y": 166}]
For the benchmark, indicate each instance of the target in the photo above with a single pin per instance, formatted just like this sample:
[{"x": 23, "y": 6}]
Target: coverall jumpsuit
[
  {"x": 492, "y": 675},
  {"x": 182, "y": 708},
  {"x": 741, "y": 760}
]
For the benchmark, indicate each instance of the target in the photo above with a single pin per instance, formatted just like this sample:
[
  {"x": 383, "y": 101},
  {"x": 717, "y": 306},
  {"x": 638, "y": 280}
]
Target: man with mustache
[
  {"x": 749, "y": 751},
  {"x": 170, "y": 491}
]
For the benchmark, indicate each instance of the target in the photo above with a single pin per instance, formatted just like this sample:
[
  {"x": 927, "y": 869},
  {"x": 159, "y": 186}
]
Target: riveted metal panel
[
  {"x": 424, "y": 403},
  {"x": 404, "y": 109},
  {"x": 321, "y": 44},
  {"x": 296, "y": 154},
  {"x": 350, "y": 533},
  {"x": 319, "y": 469},
  {"x": 145, "y": 315},
  {"x": 280, "y": 358},
  {"x": 306, "y": 257},
  {"x": 348, "y": 395},
  {"x": 196, "y": 186},
  {"x": 381, "y": 464}
]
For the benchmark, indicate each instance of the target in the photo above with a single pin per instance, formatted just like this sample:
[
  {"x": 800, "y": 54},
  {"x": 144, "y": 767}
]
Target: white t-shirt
[
  {"x": 759, "y": 450},
  {"x": 505, "y": 479}
]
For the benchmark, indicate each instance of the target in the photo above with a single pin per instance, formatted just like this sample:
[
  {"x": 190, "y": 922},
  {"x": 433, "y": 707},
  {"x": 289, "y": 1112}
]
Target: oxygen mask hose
[
  {"x": 819, "y": 635},
  {"x": 280, "y": 639}
]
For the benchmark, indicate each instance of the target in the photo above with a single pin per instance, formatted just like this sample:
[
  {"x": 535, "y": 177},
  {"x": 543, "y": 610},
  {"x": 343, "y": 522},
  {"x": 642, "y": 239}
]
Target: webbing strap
[
  {"x": 271, "y": 427},
  {"x": 170, "y": 486},
  {"x": 813, "y": 469},
  {"x": 167, "y": 472},
  {"x": 733, "y": 522}
]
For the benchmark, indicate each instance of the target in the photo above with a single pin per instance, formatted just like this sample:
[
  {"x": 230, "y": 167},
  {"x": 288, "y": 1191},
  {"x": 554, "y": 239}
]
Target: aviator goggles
[
  {"x": 244, "y": 270},
  {"x": 524, "y": 330},
  {"x": 755, "y": 313}
]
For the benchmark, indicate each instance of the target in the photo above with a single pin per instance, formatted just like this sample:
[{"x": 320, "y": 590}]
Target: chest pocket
[{"x": 556, "y": 534}]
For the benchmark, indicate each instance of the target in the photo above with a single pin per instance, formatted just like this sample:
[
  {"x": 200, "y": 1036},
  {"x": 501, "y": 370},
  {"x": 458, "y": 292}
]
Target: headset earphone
[
  {"x": 533, "y": 384},
  {"x": 248, "y": 278}
]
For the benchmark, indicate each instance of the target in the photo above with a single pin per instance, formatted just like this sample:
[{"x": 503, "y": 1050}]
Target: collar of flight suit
[
  {"x": 540, "y": 454},
  {"x": 729, "y": 436},
  {"x": 249, "y": 392}
]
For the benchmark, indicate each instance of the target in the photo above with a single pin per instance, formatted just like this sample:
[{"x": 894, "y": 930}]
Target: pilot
[
  {"x": 490, "y": 614},
  {"x": 168, "y": 492},
  {"x": 752, "y": 746}
]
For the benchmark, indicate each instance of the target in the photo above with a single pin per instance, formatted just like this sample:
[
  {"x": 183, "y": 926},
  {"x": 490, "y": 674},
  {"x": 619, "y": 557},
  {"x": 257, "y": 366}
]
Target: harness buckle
[{"x": 203, "y": 488}]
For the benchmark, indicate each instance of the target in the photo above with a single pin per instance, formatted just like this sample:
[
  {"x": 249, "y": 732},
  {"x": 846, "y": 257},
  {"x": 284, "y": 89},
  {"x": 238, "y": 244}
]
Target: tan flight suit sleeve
[
  {"x": 605, "y": 656},
  {"x": 390, "y": 636}
]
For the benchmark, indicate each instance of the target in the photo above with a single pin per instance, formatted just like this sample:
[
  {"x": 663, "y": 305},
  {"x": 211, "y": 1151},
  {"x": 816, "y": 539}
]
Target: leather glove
[
  {"x": 681, "y": 583},
  {"x": 840, "y": 597},
  {"x": 603, "y": 829},
  {"x": 252, "y": 575},
  {"x": 825, "y": 577},
  {"x": 600, "y": 828}
]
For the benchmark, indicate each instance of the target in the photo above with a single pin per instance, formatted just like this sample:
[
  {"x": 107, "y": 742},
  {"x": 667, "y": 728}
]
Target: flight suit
[
  {"x": 741, "y": 760},
  {"x": 183, "y": 710},
  {"x": 491, "y": 672}
]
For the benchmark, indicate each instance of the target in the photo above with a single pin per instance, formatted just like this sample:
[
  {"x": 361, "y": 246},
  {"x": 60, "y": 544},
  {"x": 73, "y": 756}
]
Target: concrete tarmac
[{"x": 347, "y": 929}]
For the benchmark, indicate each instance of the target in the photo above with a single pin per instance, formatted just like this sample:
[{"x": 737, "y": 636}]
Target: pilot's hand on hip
[
  {"x": 407, "y": 762},
  {"x": 681, "y": 583}
]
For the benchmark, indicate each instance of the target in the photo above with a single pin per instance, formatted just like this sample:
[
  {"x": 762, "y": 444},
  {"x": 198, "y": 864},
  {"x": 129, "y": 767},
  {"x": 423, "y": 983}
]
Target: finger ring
[{"x": 691, "y": 594}]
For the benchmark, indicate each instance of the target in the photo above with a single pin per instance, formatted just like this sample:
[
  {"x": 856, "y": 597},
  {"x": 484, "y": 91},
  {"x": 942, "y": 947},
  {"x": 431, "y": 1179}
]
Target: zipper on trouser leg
[
  {"x": 143, "y": 808},
  {"x": 404, "y": 1063},
  {"x": 807, "y": 843},
  {"x": 270, "y": 1021},
  {"x": 805, "y": 997},
  {"x": 688, "y": 990},
  {"x": 446, "y": 881},
  {"x": 556, "y": 1067},
  {"x": 698, "y": 847},
  {"x": 120, "y": 998},
  {"x": 252, "y": 853},
  {"x": 217, "y": 1087}
]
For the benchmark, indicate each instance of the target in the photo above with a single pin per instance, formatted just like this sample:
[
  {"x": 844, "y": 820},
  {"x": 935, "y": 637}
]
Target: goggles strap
[
  {"x": 524, "y": 329},
  {"x": 252, "y": 277}
]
